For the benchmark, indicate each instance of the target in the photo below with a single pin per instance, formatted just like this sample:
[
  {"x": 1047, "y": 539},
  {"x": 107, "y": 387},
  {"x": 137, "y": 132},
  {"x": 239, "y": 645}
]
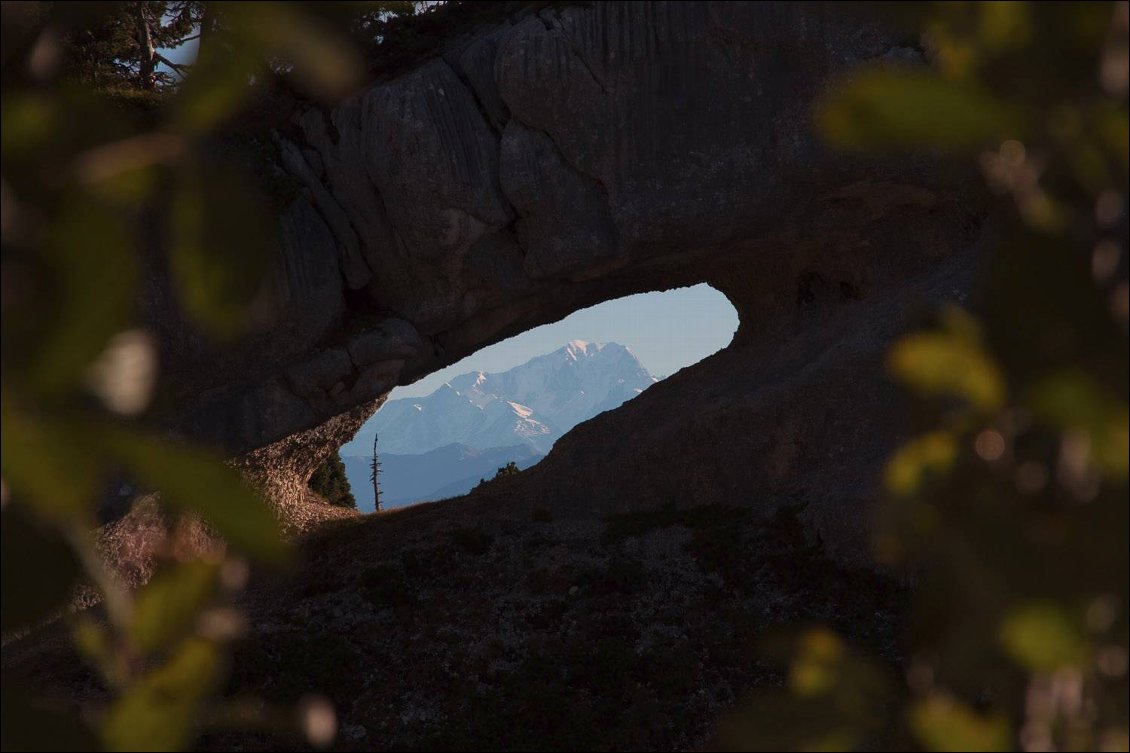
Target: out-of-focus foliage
[
  {"x": 1008, "y": 510},
  {"x": 111, "y": 167},
  {"x": 835, "y": 699},
  {"x": 330, "y": 481}
]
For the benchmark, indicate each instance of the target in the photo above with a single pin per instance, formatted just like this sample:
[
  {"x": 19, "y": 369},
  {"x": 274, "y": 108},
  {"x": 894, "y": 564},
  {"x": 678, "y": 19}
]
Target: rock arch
[{"x": 579, "y": 154}]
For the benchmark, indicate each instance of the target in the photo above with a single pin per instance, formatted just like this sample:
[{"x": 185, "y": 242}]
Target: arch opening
[{"x": 511, "y": 401}]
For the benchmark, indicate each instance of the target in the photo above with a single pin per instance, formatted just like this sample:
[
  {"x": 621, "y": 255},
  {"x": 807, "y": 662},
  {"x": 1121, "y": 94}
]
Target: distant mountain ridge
[
  {"x": 444, "y": 472},
  {"x": 532, "y": 404}
]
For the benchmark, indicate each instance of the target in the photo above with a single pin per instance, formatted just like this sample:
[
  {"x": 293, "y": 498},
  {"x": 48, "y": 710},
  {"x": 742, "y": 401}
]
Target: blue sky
[
  {"x": 186, "y": 53},
  {"x": 666, "y": 331}
]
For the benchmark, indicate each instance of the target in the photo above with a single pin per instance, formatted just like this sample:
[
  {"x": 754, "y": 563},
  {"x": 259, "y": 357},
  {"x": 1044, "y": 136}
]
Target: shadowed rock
[{"x": 581, "y": 154}]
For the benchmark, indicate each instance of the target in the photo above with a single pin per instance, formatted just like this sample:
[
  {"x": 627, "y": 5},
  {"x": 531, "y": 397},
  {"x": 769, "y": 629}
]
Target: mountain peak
[
  {"x": 532, "y": 404},
  {"x": 580, "y": 347}
]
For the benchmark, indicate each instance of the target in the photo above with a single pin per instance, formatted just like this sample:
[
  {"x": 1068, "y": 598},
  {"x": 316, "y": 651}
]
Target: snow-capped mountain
[{"x": 531, "y": 404}]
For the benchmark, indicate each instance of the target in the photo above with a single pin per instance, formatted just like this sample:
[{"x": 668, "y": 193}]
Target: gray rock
[
  {"x": 353, "y": 266},
  {"x": 476, "y": 63},
  {"x": 434, "y": 160},
  {"x": 391, "y": 339},
  {"x": 582, "y": 154},
  {"x": 564, "y": 224},
  {"x": 320, "y": 373}
]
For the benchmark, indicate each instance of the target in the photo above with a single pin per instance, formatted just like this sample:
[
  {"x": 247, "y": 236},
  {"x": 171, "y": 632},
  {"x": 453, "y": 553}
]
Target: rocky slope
[{"x": 458, "y": 626}]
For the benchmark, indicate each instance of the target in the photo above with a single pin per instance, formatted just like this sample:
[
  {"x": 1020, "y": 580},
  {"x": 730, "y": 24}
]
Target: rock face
[
  {"x": 585, "y": 153},
  {"x": 282, "y": 469}
]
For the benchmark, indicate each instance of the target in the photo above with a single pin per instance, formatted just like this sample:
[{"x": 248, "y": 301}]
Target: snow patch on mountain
[{"x": 531, "y": 404}]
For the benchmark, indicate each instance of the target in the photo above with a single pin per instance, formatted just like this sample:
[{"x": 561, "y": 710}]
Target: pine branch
[{"x": 178, "y": 67}]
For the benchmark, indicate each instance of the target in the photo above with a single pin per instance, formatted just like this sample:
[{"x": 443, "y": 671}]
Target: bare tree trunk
[
  {"x": 147, "y": 65},
  {"x": 207, "y": 19},
  {"x": 375, "y": 475}
]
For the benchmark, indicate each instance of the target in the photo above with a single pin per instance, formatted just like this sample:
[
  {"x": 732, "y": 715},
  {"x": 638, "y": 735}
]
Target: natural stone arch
[{"x": 581, "y": 154}]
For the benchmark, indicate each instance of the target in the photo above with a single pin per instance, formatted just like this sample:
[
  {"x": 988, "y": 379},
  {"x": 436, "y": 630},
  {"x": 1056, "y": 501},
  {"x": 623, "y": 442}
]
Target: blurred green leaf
[
  {"x": 48, "y": 464},
  {"x": 928, "y": 456},
  {"x": 1004, "y": 25},
  {"x": 838, "y": 698},
  {"x": 1074, "y": 400},
  {"x": 93, "y": 641},
  {"x": 949, "y": 363},
  {"x": 217, "y": 86},
  {"x": 776, "y": 722},
  {"x": 909, "y": 108},
  {"x": 128, "y": 187},
  {"x": 324, "y": 64},
  {"x": 295, "y": 43},
  {"x": 942, "y": 723},
  {"x": 26, "y": 123},
  {"x": 91, "y": 250},
  {"x": 222, "y": 242},
  {"x": 1043, "y": 638},
  {"x": 816, "y": 668},
  {"x": 196, "y": 481},
  {"x": 158, "y": 712},
  {"x": 123, "y": 172},
  {"x": 1114, "y": 129},
  {"x": 39, "y": 571},
  {"x": 166, "y": 608}
]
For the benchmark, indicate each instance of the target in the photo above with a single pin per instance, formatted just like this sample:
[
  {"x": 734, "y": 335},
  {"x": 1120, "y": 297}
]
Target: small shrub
[
  {"x": 510, "y": 469},
  {"x": 330, "y": 482}
]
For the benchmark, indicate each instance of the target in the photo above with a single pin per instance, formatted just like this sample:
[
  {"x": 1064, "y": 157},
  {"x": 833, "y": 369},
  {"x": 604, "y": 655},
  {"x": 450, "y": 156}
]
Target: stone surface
[
  {"x": 283, "y": 469},
  {"x": 563, "y": 224},
  {"x": 581, "y": 154}
]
